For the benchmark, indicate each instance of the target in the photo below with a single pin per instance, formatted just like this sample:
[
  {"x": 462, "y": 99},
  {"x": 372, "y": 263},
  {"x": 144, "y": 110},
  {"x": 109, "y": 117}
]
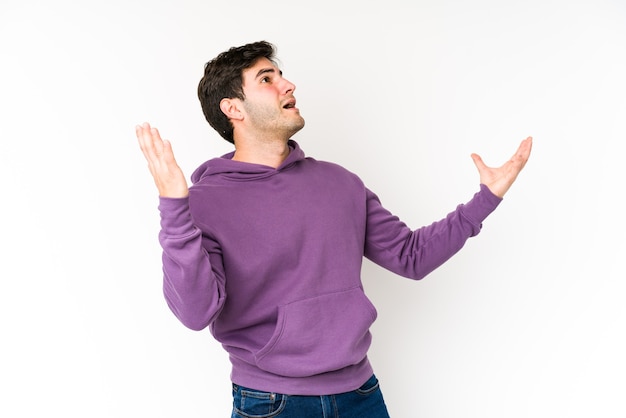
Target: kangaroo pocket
[{"x": 319, "y": 334}]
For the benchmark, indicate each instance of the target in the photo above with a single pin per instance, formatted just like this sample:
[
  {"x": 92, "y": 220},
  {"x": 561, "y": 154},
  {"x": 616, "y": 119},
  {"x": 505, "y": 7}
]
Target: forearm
[
  {"x": 417, "y": 253},
  {"x": 193, "y": 283}
]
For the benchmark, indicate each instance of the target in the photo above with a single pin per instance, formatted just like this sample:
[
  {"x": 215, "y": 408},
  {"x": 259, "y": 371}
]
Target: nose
[{"x": 289, "y": 87}]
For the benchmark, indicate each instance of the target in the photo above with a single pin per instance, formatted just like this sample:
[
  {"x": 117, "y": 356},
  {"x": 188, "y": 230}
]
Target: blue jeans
[{"x": 365, "y": 402}]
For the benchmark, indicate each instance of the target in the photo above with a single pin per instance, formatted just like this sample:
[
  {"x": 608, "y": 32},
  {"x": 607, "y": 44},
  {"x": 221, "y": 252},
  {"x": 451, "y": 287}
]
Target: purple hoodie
[{"x": 270, "y": 259}]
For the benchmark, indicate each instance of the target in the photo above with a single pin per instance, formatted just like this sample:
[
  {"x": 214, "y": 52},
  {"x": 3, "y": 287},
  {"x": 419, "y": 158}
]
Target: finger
[
  {"x": 523, "y": 151},
  {"x": 145, "y": 140},
  {"x": 139, "y": 131},
  {"x": 157, "y": 142},
  {"x": 168, "y": 153},
  {"x": 142, "y": 130},
  {"x": 150, "y": 143},
  {"x": 478, "y": 162}
]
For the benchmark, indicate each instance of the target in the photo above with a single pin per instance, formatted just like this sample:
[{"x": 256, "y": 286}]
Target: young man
[{"x": 266, "y": 247}]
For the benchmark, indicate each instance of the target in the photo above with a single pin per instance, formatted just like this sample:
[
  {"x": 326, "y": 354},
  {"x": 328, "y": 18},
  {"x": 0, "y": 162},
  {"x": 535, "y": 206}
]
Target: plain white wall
[{"x": 527, "y": 321}]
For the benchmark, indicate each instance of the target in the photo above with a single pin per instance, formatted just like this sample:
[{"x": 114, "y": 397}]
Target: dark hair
[{"x": 223, "y": 79}]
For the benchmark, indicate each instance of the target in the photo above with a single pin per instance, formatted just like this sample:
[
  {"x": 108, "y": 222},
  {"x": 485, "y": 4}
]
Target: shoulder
[
  {"x": 327, "y": 165},
  {"x": 330, "y": 168}
]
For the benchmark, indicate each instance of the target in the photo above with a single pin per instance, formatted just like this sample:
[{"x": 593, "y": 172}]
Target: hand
[
  {"x": 168, "y": 176},
  {"x": 500, "y": 179}
]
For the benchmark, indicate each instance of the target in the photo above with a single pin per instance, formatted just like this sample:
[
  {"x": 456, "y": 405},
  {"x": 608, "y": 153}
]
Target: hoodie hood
[{"x": 224, "y": 166}]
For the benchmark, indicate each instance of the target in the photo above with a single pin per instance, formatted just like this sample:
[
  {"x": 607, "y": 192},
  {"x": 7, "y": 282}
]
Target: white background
[{"x": 526, "y": 321}]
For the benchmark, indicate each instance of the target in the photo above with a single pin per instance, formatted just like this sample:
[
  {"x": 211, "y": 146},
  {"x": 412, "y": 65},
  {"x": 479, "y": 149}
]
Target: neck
[{"x": 269, "y": 154}]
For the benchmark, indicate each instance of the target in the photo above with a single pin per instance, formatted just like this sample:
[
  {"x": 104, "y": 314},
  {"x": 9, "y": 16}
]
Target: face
[{"x": 269, "y": 104}]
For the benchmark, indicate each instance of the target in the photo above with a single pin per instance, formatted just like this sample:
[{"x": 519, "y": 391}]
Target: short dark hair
[{"x": 223, "y": 79}]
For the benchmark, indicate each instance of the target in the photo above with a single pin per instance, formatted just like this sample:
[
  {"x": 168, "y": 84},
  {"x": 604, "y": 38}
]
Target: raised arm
[
  {"x": 193, "y": 275},
  {"x": 500, "y": 179},
  {"x": 416, "y": 253}
]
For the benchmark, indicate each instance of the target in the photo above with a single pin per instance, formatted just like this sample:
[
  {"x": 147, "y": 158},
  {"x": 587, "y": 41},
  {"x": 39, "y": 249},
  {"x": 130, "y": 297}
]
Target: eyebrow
[{"x": 265, "y": 71}]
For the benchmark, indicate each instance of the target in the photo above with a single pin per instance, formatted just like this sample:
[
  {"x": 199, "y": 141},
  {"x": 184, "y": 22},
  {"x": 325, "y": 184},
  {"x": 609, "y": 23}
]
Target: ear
[{"x": 232, "y": 108}]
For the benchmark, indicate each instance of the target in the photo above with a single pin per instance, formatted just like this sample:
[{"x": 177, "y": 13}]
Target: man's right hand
[{"x": 168, "y": 176}]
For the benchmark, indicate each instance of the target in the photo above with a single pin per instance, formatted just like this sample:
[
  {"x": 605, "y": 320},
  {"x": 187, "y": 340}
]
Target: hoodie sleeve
[
  {"x": 416, "y": 253},
  {"x": 193, "y": 276}
]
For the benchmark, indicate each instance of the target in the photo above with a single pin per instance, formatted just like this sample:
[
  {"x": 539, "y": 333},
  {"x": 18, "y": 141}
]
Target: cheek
[{"x": 261, "y": 114}]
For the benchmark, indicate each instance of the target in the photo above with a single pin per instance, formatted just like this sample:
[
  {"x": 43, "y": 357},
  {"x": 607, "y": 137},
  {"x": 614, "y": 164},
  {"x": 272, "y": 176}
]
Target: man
[{"x": 266, "y": 247}]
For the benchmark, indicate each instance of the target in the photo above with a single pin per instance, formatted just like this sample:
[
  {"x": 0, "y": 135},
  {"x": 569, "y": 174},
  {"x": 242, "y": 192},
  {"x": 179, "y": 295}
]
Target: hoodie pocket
[{"x": 319, "y": 334}]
